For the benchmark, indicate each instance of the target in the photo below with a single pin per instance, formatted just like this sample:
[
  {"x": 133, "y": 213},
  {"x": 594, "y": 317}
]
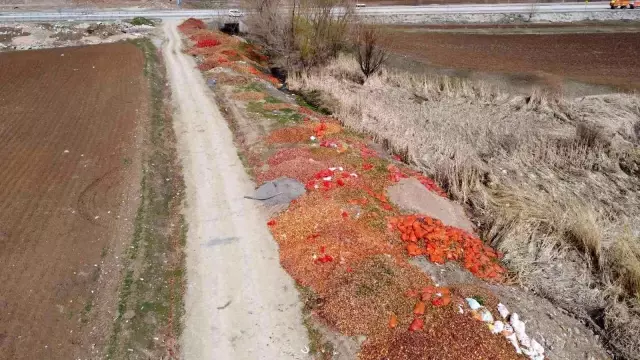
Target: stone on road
[{"x": 239, "y": 302}]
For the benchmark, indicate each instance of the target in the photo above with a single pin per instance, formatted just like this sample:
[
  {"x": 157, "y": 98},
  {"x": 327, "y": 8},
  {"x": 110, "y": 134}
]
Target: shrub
[
  {"x": 139, "y": 20},
  {"x": 310, "y": 33},
  {"x": 625, "y": 263},
  {"x": 591, "y": 136},
  {"x": 369, "y": 54}
]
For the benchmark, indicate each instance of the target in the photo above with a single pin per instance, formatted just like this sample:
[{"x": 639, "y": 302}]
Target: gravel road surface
[{"x": 239, "y": 302}]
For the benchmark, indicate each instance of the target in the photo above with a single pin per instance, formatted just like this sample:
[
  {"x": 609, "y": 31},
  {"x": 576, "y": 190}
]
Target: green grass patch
[
  {"x": 318, "y": 346},
  {"x": 246, "y": 165},
  {"x": 272, "y": 100},
  {"x": 312, "y": 100},
  {"x": 253, "y": 86},
  {"x": 139, "y": 20},
  {"x": 84, "y": 315},
  {"x": 283, "y": 117},
  {"x": 479, "y": 299},
  {"x": 154, "y": 263}
]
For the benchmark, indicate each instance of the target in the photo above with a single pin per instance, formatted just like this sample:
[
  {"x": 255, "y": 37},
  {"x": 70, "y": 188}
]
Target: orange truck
[{"x": 622, "y": 4}]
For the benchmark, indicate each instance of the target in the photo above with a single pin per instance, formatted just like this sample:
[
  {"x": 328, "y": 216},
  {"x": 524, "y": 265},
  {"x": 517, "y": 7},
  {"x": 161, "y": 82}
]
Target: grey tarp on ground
[{"x": 278, "y": 191}]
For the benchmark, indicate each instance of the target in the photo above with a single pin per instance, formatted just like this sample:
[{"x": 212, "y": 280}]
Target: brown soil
[
  {"x": 606, "y": 59},
  {"x": 585, "y": 26},
  {"x": 69, "y": 184}
]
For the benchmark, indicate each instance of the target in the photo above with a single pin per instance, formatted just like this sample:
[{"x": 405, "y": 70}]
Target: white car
[{"x": 235, "y": 13}]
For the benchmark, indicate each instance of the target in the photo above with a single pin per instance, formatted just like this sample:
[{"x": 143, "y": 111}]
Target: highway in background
[{"x": 100, "y": 14}]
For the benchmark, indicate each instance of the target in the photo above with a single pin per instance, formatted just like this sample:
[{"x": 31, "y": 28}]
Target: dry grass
[
  {"x": 550, "y": 180},
  {"x": 624, "y": 261}
]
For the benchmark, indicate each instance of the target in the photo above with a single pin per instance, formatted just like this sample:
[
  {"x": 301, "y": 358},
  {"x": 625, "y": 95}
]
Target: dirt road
[{"x": 239, "y": 302}]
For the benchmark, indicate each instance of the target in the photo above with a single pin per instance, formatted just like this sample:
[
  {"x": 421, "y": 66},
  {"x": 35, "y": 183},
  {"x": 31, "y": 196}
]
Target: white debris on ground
[
  {"x": 30, "y": 36},
  {"x": 514, "y": 330}
]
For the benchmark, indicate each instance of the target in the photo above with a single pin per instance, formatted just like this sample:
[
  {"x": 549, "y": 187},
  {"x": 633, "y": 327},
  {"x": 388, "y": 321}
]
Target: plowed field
[
  {"x": 606, "y": 59},
  {"x": 69, "y": 184}
]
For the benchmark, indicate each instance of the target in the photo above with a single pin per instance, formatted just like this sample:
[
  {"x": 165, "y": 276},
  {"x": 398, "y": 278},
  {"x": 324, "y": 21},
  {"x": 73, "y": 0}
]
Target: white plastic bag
[
  {"x": 504, "y": 312},
  {"x": 498, "y": 327},
  {"x": 473, "y": 303}
]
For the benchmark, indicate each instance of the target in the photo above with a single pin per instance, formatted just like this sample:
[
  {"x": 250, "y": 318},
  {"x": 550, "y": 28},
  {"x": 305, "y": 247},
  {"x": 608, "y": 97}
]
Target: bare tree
[
  {"x": 268, "y": 23},
  {"x": 321, "y": 29},
  {"x": 308, "y": 34},
  {"x": 533, "y": 10},
  {"x": 370, "y": 53}
]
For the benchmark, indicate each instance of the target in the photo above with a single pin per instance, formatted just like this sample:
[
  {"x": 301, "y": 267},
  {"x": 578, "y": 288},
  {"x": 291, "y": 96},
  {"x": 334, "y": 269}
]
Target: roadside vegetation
[
  {"x": 552, "y": 182},
  {"x": 370, "y": 54},
  {"x": 309, "y": 35},
  {"x": 148, "y": 319},
  {"x": 139, "y": 20}
]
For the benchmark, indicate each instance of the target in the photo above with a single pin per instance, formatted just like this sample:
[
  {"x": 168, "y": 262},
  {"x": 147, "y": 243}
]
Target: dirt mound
[{"x": 411, "y": 195}]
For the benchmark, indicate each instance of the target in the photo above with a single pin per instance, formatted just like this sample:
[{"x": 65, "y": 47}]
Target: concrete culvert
[
  {"x": 231, "y": 28},
  {"x": 279, "y": 73}
]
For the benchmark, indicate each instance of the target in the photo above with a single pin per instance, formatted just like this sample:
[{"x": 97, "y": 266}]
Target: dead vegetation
[
  {"x": 552, "y": 182},
  {"x": 309, "y": 34},
  {"x": 370, "y": 54}
]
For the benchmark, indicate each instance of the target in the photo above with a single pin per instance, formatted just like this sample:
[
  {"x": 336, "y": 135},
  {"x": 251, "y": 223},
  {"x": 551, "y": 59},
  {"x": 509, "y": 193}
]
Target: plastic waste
[
  {"x": 483, "y": 315},
  {"x": 519, "y": 330},
  {"x": 514, "y": 330},
  {"x": 504, "y": 312},
  {"x": 535, "y": 346},
  {"x": 279, "y": 191},
  {"x": 498, "y": 327},
  {"x": 512, "y": 339},
  {"x": 535, "y": 351},
  {"x": 473, "y": 303},
  {"x": 508, "y": 330},
  {"x": 486, "y": 315}
]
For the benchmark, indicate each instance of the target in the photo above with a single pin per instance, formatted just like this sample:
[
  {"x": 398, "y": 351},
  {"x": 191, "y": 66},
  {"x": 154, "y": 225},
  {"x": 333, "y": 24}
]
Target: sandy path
[{"x": 240, "y": 304}]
